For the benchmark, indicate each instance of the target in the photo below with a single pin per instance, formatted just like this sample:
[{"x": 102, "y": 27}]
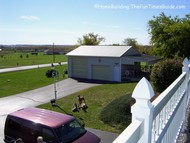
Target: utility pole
[
  {"x": 53, "y": 54},
  {"x": 55, "y": 89},
  {"x": 54, "y": 74}
]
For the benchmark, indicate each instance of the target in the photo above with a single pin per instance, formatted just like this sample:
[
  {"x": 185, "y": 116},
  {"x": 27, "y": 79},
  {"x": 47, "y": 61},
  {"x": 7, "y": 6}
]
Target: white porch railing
[{"x": 159, "y": 121}]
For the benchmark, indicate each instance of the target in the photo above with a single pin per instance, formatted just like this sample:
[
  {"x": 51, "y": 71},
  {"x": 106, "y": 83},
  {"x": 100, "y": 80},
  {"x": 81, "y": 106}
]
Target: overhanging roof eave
[{"x": 144, "y": 58}]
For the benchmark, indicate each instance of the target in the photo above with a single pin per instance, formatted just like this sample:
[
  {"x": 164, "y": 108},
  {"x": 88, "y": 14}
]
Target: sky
[{"x": 62, "y": 22}]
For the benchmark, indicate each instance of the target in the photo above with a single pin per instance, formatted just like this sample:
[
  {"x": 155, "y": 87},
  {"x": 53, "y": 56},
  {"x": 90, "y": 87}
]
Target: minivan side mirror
[{"x": 81, "y": 122}]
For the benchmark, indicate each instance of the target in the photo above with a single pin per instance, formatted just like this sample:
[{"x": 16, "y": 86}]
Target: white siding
[
  {"x": 97, "y": 68},
  {"x": 79, "y": 67}
]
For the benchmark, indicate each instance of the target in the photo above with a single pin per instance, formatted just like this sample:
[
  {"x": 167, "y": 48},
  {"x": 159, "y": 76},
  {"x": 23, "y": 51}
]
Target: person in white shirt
[{"x": 40, "y": 140}]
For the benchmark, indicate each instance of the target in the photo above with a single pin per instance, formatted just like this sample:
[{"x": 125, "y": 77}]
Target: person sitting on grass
[
  {"x": 75, "y": 108},
  {"x": 82, "y": 103}
]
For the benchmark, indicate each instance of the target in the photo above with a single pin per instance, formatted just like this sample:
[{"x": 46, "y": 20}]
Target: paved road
[
  {"x": 43, "y": 95},
  {"x": 28, "y": 67}
]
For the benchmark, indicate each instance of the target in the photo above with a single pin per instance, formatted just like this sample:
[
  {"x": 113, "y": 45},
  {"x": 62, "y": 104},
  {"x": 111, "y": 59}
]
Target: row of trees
[
  {"x": 95, "y": 39},
  {"x": 169, "y": 37}
]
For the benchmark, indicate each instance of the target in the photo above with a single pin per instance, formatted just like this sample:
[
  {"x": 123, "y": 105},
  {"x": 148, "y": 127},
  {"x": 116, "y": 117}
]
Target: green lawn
[
  {"x": 12, "y": 59},
  {"x": 108, "y": 106},
  {"x": 20, "y": 81}
]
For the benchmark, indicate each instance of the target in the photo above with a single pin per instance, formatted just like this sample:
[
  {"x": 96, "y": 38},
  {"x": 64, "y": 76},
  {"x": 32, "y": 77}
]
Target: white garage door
[
  {"x": 101, "y": 72},
  {"x": 79, "y": 67}
]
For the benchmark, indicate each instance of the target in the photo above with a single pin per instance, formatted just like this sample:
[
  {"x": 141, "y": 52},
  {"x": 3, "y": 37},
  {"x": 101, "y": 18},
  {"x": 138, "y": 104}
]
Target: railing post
[
  {"x": 185, "y": 69},
  {"x": 188, "y": 84},
  {"x": 143, "y": 108}
]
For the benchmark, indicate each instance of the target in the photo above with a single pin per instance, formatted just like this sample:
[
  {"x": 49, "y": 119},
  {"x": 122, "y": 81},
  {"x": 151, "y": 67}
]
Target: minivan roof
[{"x": 42, "y": 116}]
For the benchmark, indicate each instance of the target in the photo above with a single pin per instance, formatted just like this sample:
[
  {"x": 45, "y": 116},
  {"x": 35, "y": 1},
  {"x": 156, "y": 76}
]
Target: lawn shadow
[
  {"x": 101, "y": 81},
  {"x": 93, "y": 81},
  {"x": 118, "y": 112}
]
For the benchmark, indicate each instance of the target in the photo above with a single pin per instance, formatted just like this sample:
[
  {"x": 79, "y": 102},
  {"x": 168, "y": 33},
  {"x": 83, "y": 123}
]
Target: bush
[
  {"x": 51, "y": 72},
  {"x": 164, "y": 73}
]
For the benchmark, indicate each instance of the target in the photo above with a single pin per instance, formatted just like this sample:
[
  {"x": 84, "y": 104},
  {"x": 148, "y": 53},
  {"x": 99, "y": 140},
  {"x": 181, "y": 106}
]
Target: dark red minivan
[{"x": 54, "y": 127}]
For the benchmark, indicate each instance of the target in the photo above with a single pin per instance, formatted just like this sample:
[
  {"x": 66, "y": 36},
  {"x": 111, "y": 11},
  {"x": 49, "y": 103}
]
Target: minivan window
[
  {"x": 48, "y": 134},
  {"x": 14, "y": 123},
  {"x": 31, "y": 128},
  {"x": 70, "y": 131}
]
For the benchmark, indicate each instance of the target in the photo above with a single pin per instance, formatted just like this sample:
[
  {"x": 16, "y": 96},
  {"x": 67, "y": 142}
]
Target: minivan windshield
[{"x": 70, "y": 131}]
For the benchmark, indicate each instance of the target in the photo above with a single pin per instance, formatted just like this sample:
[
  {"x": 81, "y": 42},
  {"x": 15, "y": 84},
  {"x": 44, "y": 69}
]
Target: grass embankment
[
  {"x": 108, "y": 106},
  {"x": 12, "y": 59},
  {"x": 16, "y": 82}
]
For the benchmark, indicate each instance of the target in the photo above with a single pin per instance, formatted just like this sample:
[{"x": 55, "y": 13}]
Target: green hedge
[{"x": 165, "y": 72}]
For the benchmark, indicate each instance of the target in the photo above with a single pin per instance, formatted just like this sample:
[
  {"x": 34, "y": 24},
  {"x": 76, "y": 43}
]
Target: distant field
[
  {"x": 12, "y": 59},
  {"x": 16, "y": 82}
]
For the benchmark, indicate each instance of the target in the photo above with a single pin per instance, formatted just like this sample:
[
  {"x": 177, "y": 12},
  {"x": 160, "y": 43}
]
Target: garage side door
[
  {"x": 101, "y": 72},
  {"x": 79, "y": 67}
]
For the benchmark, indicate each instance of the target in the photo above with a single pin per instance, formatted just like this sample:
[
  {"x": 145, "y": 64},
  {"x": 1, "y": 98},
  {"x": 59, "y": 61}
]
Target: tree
[
  {"x": 131, "y": 42},
  {"x": 170, "y": 36},
  {"x": 90, "y": 39}
]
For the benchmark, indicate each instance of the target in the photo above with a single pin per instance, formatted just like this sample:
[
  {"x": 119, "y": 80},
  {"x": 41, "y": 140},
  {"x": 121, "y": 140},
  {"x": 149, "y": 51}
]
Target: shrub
[
  {"x": 165, "y": 72},
  {"x": 51, "y": 72}
]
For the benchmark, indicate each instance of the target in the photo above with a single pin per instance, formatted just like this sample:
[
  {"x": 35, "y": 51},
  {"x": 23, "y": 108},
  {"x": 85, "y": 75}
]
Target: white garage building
[{"x": 109, "y": 63}]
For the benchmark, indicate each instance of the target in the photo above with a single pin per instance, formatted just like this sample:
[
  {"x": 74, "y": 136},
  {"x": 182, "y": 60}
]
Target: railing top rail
[
  {"x": 132, "y": 133},
  {"x": 153, "y": 119},
  {"x": 165, "y": 96}
]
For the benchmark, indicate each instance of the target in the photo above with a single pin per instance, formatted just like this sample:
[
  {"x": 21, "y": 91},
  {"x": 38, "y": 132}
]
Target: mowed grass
[
  {"x": 12, "y": 59},
  {"x": 21, "y": 81},
  {"x": 107, "y": 103}
]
